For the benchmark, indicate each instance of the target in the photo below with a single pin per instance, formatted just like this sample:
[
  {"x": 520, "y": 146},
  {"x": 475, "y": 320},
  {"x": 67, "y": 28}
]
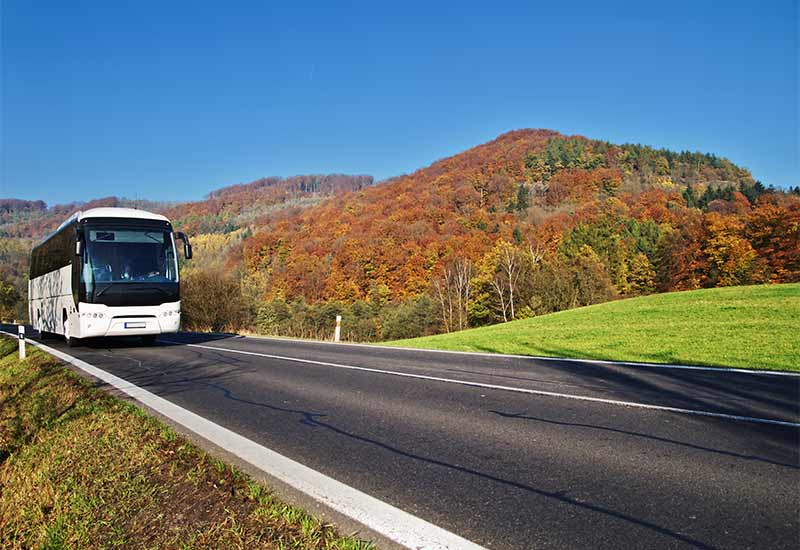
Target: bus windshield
[{"x": 128, "y": 256}]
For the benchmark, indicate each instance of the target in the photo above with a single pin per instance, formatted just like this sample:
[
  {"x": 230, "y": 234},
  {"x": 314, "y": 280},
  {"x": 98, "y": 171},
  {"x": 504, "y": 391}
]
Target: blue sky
[{"x": 169, "y": 100}]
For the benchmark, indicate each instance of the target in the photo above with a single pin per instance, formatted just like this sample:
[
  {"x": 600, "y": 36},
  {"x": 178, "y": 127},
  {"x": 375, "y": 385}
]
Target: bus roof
[
  {"x": 106, "y": 212},
  {"x": 113, "y": 212}
]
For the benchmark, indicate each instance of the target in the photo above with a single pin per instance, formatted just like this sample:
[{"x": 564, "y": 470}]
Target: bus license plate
[{"x": 136, "y": 324}]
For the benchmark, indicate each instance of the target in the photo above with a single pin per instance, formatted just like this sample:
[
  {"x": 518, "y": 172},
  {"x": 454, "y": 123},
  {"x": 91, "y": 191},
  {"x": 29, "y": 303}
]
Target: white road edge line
[
  {"x": 505, "y": 388},
  {"x": 734, "y": 370},
  {"x": 391, "y": 522}
]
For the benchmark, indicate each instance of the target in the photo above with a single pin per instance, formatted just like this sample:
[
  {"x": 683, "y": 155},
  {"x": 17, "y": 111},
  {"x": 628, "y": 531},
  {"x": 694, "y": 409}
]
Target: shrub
[
  {"x": 410, "y": 319},
  {"x": 213, "y": 301}
]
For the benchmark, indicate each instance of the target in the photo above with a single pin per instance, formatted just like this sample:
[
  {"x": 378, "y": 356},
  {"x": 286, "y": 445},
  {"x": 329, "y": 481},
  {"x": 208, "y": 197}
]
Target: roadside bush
[
  {"x": 213, "y": 301},
  {"x": 362, "y": 321},
  {"x": 298, "y": 319},
  {"x": 273, "y": 317},
  {"x": 9, "y": 300},
  {"x": 410, "y": 319}
]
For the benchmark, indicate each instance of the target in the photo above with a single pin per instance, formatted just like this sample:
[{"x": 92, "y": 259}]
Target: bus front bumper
[{"x": 97, "y": 320}]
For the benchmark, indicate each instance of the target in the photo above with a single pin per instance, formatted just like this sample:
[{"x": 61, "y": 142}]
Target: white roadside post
[
  {"x": 21, "y": 330},
  {"x": 338, "y": 332}
]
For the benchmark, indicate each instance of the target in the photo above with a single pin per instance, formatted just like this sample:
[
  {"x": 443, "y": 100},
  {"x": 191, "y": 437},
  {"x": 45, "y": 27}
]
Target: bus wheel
[
  {"x": 71, "y": 342},
  {"x": 149, "y": 339}
]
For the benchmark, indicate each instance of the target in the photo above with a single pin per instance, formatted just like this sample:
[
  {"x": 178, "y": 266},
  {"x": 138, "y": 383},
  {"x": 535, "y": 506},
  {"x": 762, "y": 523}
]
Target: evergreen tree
[
  {"x": 690, "y": 197},
  {"x": 522, "y": 197}
]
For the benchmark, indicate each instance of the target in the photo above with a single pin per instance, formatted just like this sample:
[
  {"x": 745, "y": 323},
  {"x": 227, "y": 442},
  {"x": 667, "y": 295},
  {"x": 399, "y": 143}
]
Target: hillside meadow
[{"x": 754, "y": 327}]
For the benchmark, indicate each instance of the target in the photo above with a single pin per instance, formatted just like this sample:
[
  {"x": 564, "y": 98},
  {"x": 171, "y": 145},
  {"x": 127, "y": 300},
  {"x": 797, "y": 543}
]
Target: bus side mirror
[{"x": 187, "y": 247}]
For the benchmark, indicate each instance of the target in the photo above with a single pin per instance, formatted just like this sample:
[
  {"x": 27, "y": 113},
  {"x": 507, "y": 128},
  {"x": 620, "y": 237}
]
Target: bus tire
[{"x": 71, "y": 342}]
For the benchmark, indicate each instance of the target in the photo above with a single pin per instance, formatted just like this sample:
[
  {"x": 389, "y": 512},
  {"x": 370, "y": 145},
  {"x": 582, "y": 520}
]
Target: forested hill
[
  {"x": 635, "y": 218},
  {"x": 232, "y": 212},
  {"x": 223, "y": 210},
  {"x": 34, "y": 219},
  {"x": 250, "y": 205}
]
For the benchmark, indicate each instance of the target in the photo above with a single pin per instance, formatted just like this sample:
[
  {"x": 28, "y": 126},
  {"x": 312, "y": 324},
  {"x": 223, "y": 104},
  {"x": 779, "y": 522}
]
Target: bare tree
[
  {"x": 539, "y": 190},
  {"x": 441, "y": 287},
  {"x": 535, "y": 254},
  {"x": 463, "y": 275},
  {"x": 506, "y": 280},
  {"x": 452, "y": 290},
  {"x": 500, "y": 289}
]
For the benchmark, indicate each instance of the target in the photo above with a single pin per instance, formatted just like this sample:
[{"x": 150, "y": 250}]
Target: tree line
[{"x": 609, "y": 250}]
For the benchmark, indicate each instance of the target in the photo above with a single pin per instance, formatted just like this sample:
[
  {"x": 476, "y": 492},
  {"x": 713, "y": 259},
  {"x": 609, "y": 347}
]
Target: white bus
[{"x": 107, "y": 272}]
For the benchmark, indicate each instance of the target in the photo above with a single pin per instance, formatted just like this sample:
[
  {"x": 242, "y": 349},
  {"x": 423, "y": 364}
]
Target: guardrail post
[
  {"x": 338, "y": 332},
  {"x": 21, "y": 330}
]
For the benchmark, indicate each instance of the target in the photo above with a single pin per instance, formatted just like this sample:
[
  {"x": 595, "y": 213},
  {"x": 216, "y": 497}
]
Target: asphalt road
[{"x": 500, "y": 467}]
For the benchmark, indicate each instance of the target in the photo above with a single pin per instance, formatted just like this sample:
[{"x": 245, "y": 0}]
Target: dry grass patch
[{"x": 80, "y": 468}]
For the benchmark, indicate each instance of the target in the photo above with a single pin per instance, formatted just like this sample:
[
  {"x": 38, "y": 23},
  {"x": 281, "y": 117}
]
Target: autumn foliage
[
  {"x": 565, "y": 196},
  {"x": 528, "y": 223}
]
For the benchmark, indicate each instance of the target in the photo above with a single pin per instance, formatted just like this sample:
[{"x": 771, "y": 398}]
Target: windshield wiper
[{"x": 110, "y": 284}]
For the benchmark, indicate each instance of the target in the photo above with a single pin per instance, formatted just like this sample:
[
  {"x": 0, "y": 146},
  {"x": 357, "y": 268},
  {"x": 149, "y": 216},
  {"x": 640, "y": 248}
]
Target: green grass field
[{"x": 756, "y": 327}]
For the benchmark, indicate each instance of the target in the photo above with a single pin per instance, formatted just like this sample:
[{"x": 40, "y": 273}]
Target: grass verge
[
  {"x": 80, "y": 468},
  {"x": 752, "y": 327}
]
